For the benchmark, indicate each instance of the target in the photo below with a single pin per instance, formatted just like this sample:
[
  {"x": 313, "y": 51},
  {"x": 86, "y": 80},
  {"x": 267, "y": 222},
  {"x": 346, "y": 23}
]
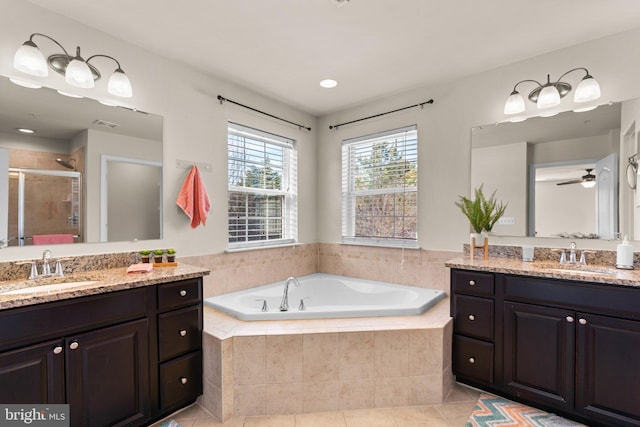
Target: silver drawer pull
[
  {"x": 472, "y": 317},
  {"x": 472, "y": 282},
  {"x": 74, "y": 345},
  {"x": 57, "y": 350},
  {"x": 582, "y": 321},
  {"x": 183, "y": 332},
  {"x": 183, "y": 293},
  {"x": 184, "y": 380},
  {"x": 472, "y": 360},
  {"x": 570, "y": 319}
]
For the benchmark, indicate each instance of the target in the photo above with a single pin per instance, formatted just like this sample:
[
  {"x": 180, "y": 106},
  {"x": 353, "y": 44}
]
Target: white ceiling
[{"x": 374, "y": 48}]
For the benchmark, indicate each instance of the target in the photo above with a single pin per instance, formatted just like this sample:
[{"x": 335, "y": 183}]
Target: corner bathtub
[{"x": 327, "y": 296}]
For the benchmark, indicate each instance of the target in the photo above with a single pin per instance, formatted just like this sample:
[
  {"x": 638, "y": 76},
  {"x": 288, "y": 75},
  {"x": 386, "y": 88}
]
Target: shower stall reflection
[{"x": 44, "y": 207}]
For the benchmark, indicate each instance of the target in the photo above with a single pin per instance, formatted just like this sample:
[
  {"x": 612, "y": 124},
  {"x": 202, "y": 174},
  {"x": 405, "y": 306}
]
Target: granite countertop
[
  {"x": 91, "y": 283},
  {"x": 590, "y": 273}
]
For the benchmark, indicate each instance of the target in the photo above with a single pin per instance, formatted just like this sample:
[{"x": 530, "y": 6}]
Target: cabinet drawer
[
  {"x": 473, "y": 316},
  {"x": 472, "y": 282},
  {"x": 473, "y": 359},
  {"x": 178, "y": 294},
  {"x": 179, "y": 332},
  {"x": 180, "y": 380}
]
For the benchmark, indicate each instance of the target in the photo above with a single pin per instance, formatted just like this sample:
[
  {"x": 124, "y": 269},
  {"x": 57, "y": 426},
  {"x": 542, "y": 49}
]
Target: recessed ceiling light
[
  {"x": 25, "y": 130},
  {"x": 328, "y": 83}
]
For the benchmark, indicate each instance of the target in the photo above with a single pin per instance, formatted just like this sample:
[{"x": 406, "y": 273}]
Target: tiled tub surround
[
  {"x": 301, "y": 366},
  {"x": 236, "y": 271}
]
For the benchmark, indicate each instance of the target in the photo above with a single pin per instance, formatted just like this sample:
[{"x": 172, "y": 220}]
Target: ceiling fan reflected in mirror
[{"x": 587, "y": 181}]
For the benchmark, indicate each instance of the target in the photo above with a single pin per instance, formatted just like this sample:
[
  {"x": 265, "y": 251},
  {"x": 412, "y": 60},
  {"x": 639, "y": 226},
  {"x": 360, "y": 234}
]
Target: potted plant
[
  {"x": 145, "y": 254},
  {"x": 482, "y": 212},
  {"x": 171, "y": 255},
  {"x": 157, "y": 255}
]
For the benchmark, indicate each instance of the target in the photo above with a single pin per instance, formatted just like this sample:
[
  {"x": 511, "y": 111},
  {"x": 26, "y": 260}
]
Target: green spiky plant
[{"x": 482, "y": 212}]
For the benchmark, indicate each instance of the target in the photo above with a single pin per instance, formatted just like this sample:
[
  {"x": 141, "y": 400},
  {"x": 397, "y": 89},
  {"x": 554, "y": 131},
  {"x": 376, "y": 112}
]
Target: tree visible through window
[
  {"x": 379, "y": 184},
  {"x": 262, "y": 188}
]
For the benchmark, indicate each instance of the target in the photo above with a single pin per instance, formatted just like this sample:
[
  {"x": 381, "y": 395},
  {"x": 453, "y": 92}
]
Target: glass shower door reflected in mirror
[{"x": 44, "y": 207}]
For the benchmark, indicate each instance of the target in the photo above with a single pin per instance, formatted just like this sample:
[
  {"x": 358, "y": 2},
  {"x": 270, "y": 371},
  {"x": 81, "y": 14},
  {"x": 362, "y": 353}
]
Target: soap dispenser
[{"x": 624, "y": 258}]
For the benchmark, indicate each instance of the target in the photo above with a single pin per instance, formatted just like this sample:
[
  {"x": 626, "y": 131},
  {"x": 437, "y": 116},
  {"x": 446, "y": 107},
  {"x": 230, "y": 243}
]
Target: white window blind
[
  {"x": 380, "y": 188},
  {"x": 262, "y": 175}
]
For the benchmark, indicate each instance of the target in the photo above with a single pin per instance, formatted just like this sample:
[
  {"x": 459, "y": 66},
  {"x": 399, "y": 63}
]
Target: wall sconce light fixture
[
  {"x": 76, "y": 71},
  {"x": 548, "y": 95}
]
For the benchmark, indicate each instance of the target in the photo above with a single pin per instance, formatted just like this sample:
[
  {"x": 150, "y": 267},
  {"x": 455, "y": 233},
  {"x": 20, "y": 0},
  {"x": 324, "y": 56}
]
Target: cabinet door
[
  {"x": 108, "y": 376},
  {"x": 608, "y": 369},
  {"x": 33, "y": 374},
  {"x": 539, "y": 351}
]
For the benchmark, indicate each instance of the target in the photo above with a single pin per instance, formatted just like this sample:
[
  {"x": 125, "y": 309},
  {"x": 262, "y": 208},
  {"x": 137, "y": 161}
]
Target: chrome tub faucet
[{"x": 284, "y": 305}]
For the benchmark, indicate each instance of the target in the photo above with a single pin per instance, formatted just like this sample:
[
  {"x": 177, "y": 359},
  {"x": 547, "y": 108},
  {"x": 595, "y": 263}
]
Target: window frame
[
  {"x": 288, "y": 191},
  {"x": 349, "y": 193}
]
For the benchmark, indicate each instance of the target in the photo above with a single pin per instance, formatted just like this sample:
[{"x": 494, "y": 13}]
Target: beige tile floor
[{"x": 454, "y": 412}]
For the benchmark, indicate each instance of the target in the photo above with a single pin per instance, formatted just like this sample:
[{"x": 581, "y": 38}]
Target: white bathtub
[{"x": 327, "y": 296}]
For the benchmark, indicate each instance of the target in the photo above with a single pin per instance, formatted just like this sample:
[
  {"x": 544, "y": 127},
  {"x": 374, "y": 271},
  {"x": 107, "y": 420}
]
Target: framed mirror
[
  {"x": 52, "y": 176},
  {"x": 563, "y": 176}
]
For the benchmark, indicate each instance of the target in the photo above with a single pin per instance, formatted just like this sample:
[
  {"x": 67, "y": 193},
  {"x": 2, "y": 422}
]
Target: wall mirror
[
  {"x": 54, "y": 184},
  {"x": 564, "y": 176}
]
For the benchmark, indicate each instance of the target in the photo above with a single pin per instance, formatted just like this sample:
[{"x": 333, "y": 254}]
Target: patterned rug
[{"x": 492, "y": 411}]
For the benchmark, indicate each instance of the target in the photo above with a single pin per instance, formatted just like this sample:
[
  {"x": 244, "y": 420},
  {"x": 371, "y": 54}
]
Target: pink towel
[
  {"x": 193, "y": 198},
  {"x": 140, "y": 268},
  {"x": 52, "y": 239}
]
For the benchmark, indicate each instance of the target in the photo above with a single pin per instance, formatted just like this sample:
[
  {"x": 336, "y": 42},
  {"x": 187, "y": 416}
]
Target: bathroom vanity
[
  {"x": 123, "y": 350},
  {"x": 564, "y": 341}
]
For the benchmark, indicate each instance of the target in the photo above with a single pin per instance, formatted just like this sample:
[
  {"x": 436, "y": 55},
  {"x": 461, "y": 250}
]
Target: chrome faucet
[
  {"x": 573, "y": 258},
  {"x": 572, "y": 253},
  {"x": 46, "y": 268},
  {"x": 284, "y": 305}
]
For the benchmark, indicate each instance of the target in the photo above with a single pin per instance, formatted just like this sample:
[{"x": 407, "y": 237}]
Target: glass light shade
[
  {"x": 588, "y": 184},
  {"x": 22, "y": 83},
  {"x": 514, "y": 104},
  {"x": 588, "y": 90},
  {"x": 119, "y": 84},
  {"x": 78, "y": 74},
  {"x": 30, "y": 60},
  {"x": 548, "y": 97}
]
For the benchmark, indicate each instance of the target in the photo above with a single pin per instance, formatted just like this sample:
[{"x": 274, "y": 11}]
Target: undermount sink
[{"x": 48, "y": 288}]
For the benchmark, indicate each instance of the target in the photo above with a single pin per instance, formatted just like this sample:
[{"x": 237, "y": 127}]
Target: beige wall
[
  {"x": 444, "y": 130},
  {"x": 195, "y": 128}
]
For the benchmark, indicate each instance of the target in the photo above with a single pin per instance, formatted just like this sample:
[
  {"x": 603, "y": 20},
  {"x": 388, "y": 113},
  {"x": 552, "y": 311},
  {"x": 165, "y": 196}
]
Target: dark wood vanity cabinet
[
  {"x": 179, "y": 343},
  {"x": 102, "y": 354},
  {"x": 566, "y": 346}
]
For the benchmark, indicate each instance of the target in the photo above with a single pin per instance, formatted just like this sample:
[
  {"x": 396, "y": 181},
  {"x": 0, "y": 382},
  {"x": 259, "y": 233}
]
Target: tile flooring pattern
[{"x": 454, "y": 412}]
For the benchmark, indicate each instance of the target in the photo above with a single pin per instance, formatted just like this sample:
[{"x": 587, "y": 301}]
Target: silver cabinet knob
[
  {"x": 57, "y": 350},
  {"x": 472, "y": 317},
  {"x": 183, "y": 293},
  {"x": 582, "y": 321},
  {"x": 184, "y": 380},
  {"x": 569, "y": 319},
  {"x": 74, "y": 345},
  {"x": 472, "y": 360},
  {"x": 183, "y": 332},
  {"x": 472, "y": 282}
]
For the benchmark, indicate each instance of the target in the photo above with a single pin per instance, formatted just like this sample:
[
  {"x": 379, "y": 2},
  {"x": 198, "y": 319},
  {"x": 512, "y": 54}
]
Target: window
[
  {"x": 262, "y": 188},
  {"x": 380, "y": 188}
]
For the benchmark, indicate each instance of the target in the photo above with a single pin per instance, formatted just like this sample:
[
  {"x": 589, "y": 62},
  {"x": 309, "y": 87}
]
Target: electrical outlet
[{"x": 507, "y": 220}]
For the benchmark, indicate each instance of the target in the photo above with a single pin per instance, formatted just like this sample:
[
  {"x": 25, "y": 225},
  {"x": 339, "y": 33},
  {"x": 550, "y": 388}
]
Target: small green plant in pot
[
  {"x": 171, "y": 255},
  {"x": 157, "y": 255},
  {"x": 145, "y": 254},
  {"x": 482, "y": 212}
]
